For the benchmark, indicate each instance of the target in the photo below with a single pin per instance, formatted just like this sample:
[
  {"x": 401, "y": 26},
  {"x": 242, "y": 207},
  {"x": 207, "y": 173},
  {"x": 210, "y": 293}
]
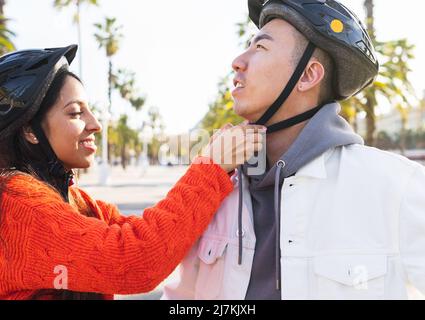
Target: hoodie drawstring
[
  {"x": 240, "y": 233},
  {"x": 280, "y": 165}
]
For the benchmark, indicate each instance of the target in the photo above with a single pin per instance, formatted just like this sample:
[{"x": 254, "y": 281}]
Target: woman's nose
[{"x": 93, "y": 125}]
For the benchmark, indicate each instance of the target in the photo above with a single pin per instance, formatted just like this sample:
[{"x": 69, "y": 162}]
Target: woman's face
[{"x": 70, "y": 126}]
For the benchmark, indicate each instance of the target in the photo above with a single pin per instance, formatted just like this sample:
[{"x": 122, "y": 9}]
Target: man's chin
[{"x": 242, "y": 112}]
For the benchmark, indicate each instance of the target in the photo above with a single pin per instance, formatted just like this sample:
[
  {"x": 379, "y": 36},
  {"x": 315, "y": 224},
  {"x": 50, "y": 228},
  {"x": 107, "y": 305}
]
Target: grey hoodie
[{"x": 326, "y": 130}]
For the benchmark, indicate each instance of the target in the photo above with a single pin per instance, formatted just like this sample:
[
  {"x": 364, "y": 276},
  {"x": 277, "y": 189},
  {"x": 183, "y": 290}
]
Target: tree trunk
[
  {"x": 123, "y": 157},
  {"x": 80, "y": 41},
  {"x": 80, "y": 47},
  {"x": 370, "y": 96},
  {"x": 2, "y": 4},
  {"x": 2, "y": 20},
  {"x": 110, "y": 85},
  {"x": 370, "y": 125},
  {"x": 403, "y": 138},
  {"x": 110, "y": 105},
  {"x": 370, "y": 18}
]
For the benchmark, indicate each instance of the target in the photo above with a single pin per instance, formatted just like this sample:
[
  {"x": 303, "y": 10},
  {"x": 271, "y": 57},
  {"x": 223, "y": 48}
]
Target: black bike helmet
[{"x": 25, "y": 77}]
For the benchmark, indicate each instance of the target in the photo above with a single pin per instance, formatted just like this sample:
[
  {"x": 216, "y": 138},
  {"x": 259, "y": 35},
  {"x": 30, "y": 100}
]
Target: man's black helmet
[
  {"x": 25, "y": 77},
  {"x": 331, "y": 26}
]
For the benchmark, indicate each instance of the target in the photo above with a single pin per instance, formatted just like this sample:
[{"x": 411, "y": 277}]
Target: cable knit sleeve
[{"x": 44, "y": 239}]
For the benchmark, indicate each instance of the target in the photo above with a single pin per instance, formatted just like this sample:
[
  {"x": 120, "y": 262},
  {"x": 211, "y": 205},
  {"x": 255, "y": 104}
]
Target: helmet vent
[
  {"x": 7, "y": 72},
  {"x": 39, "y": 64},
  {"x": 339, "y": 8}
]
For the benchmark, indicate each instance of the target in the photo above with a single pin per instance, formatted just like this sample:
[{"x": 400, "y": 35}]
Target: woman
[{"x": 55, "y": 241}]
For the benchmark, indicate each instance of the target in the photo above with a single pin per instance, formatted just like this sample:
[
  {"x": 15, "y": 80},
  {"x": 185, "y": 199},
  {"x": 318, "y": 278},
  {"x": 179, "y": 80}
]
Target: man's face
[{"x": 264, "y": 69}]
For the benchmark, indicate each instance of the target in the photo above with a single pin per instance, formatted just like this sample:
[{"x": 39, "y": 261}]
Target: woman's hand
[{"x": 232, "y": 146}]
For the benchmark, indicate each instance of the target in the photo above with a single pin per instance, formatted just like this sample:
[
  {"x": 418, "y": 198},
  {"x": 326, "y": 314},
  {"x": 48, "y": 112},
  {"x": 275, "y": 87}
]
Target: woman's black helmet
[{"x": 25, "y": 77}]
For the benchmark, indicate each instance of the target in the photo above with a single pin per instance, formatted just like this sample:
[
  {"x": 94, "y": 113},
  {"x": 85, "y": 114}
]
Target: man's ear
[
  {"x": 29, "y": 135},
  {"x": 312, "y": 76}
]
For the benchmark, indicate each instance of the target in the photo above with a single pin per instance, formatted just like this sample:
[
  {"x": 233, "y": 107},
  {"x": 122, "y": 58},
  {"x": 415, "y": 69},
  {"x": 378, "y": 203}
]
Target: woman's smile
[{"x": 89, "y": 144}]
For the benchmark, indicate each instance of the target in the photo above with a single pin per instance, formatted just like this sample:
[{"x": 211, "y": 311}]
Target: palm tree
[
  {"x": 124, "y": 135},
  {"x": 61, "y": 4},
  {"x": 109, "y": 37},
  {"x": 155, "y": 123},
  {"x": 6, "y": 44},
  {"x": 125, "y": 82},
  {"x": 391, "y": 84}
]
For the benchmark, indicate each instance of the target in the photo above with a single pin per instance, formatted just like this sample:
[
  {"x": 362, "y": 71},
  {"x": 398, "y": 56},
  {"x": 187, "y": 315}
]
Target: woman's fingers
[{"x": 232, "y": 146}]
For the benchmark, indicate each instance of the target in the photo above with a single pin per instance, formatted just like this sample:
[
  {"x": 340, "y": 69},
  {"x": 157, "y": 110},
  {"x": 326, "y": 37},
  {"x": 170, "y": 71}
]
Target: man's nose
[{"x": 240, "y": 63}]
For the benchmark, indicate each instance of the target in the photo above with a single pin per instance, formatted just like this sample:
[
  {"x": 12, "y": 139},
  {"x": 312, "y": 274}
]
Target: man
[{"x": 331, "y": 218}]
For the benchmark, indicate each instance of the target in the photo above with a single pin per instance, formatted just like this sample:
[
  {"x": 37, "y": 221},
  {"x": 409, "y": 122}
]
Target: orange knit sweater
[{"x": 109, "y": 254}]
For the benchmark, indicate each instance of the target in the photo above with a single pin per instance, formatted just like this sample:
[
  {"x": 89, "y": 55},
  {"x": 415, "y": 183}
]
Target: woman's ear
[
  {"x": 312, "y": 76},
  {"x": 30, "y": 136}
]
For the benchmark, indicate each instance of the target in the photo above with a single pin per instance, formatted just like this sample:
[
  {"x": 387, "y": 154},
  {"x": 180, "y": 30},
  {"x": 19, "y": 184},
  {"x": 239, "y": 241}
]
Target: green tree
[
  {"x": 155, "y": 123},
  {"x": 392, "y": 84},
  {"x": 109, "y": 36},
  {"x": 6, "y": 35},
  {"x": 125, "y": 137},
  {"x": 125, "y": 82},
  {"x": 122, "y": 137},
  {"x": 60, "y": 5}
]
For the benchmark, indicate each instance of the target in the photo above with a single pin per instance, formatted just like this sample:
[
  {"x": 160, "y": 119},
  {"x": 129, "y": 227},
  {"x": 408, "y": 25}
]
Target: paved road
[{"x": 132, "y": 191}]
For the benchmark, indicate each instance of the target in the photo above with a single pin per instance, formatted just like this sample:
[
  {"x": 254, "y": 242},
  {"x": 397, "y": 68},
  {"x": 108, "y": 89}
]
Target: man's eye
[
  {"x": 259, "y": 46},
  {"x": 75, "y": 114}
]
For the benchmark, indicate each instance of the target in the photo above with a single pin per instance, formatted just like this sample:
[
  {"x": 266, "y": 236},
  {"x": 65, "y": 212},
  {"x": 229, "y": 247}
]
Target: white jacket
[{"x": 352, "y": 227}]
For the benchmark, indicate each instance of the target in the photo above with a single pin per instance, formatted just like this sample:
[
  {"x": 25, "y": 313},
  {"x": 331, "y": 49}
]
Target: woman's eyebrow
[{"x": 79, "y": 102}]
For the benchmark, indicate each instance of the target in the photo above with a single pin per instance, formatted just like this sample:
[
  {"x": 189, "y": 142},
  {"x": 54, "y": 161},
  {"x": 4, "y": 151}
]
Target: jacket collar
[
  {"x": 314, "y": 169},
  {"x": 317, "y": 167}
]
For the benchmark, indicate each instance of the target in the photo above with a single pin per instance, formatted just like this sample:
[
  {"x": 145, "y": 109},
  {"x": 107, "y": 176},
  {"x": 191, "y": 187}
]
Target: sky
[{"x": 179, "y": 49}]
